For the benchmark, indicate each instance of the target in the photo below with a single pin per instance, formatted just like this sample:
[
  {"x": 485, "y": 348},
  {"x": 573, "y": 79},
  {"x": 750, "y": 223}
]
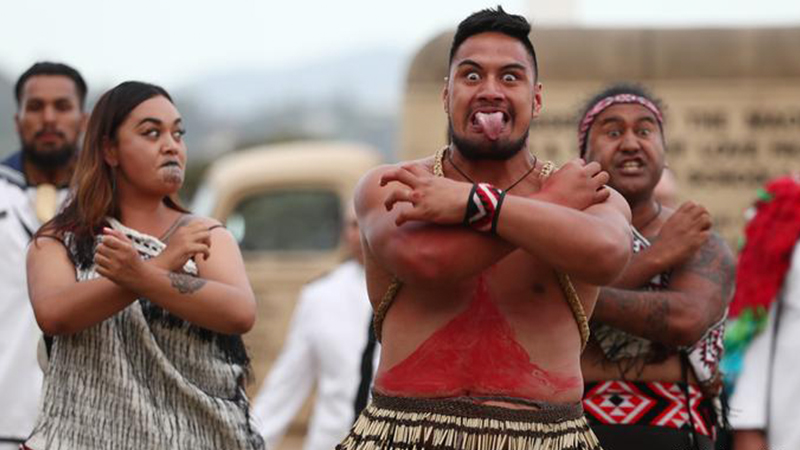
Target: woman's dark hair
[
  {"x": 93, "y": 197},
  {"x": 499, "y": 21}
]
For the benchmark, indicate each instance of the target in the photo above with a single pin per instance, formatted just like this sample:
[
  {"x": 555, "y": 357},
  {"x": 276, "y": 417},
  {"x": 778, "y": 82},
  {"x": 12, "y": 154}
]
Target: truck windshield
[{"x": 296, "y": 220}]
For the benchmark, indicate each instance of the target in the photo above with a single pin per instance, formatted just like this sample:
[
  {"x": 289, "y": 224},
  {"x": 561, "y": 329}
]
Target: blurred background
[
  {"x": 287, "y": 103},
  {"x": 246, "y": 72}
]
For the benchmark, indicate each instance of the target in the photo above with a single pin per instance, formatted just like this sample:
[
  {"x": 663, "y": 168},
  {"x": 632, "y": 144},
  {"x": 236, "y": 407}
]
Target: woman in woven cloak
[{"x": 144, "y": 302}]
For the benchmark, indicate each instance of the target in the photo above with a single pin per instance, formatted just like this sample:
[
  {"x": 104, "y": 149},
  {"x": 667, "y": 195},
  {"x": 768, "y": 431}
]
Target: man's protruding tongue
[{"x": 490, "y": 123}]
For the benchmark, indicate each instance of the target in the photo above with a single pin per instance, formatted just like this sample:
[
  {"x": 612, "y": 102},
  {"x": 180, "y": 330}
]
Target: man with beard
[
  {"x": 482, "y": 268},
  {"x": 49, "y": 121},
  {"x": 652, "y": 364}
]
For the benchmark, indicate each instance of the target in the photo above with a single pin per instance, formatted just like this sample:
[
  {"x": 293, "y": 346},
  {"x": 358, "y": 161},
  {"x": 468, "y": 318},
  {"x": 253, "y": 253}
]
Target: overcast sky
[{"x": 173, "y": 42}]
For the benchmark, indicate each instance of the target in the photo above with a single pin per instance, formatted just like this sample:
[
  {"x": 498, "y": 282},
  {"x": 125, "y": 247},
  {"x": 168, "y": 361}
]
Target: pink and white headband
[{"x": 594, "y": 111}]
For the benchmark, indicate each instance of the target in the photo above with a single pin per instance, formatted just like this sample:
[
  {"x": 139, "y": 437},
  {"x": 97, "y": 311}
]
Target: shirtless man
[
  {"x": 656, "y": 333},
  {"x": 478, "y": 315}
]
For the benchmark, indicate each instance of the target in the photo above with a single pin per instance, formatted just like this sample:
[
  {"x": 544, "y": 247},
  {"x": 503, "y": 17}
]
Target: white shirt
[
  {"x": 20, "y": 375},
  {"x": 324, "y": 345},
  {"x": 749, "y": 400}
]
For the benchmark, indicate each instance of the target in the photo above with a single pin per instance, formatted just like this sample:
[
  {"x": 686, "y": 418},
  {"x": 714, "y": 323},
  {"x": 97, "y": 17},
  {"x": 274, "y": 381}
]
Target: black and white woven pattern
[{"x": 145, "y": 379}]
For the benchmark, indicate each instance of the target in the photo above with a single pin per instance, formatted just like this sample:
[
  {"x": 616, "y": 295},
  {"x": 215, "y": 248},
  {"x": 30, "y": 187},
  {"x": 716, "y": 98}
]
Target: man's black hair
[
  {"x": 51, "y": 68},
  {"x": 498, "y": 21},
  {"x": 616, "y": 89}
]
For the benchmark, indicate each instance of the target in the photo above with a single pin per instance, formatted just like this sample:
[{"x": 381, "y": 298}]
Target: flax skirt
[{"x": 453, "y": 424}]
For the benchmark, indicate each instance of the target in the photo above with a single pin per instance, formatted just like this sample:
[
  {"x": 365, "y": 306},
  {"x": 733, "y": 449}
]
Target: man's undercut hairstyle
[
  {"x": 497, "y": 21},
  {"x": 51, "y": 68},
  {"x": 617, "y": 89}
]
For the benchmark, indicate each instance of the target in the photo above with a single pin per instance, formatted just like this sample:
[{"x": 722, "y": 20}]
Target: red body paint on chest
[{"x": 476, "y": 352}]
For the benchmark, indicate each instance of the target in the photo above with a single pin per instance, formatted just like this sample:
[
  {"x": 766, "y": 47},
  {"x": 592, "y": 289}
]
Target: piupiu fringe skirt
[{"x": 459, "y": 424}]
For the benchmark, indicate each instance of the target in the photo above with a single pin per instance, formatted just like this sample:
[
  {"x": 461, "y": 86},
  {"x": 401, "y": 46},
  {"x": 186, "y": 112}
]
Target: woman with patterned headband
[{"x": 651, "y": 366}]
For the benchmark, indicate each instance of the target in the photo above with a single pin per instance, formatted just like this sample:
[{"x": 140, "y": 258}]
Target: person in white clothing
[
  {"x": 49, "y": 120},
  {"x": 326, "y": 340},
  {"x": 763, "y": 407}
]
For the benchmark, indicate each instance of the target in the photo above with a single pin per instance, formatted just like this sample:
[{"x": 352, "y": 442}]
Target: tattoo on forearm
[
  {"x": 647, "y": 313},
  {"x": 714, "y": 262},
  {"x": 626, "y": 304},
  {"x": 622, "y": 307},
  {"x": 185, "y": 284},
  {"x": 657, "y": 316}
]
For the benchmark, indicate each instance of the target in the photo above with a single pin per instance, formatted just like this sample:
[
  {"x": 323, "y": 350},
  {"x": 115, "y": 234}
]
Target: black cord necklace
[
  {"x": 461, "y": 172},
  {"x": 655, "y": 216}
]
